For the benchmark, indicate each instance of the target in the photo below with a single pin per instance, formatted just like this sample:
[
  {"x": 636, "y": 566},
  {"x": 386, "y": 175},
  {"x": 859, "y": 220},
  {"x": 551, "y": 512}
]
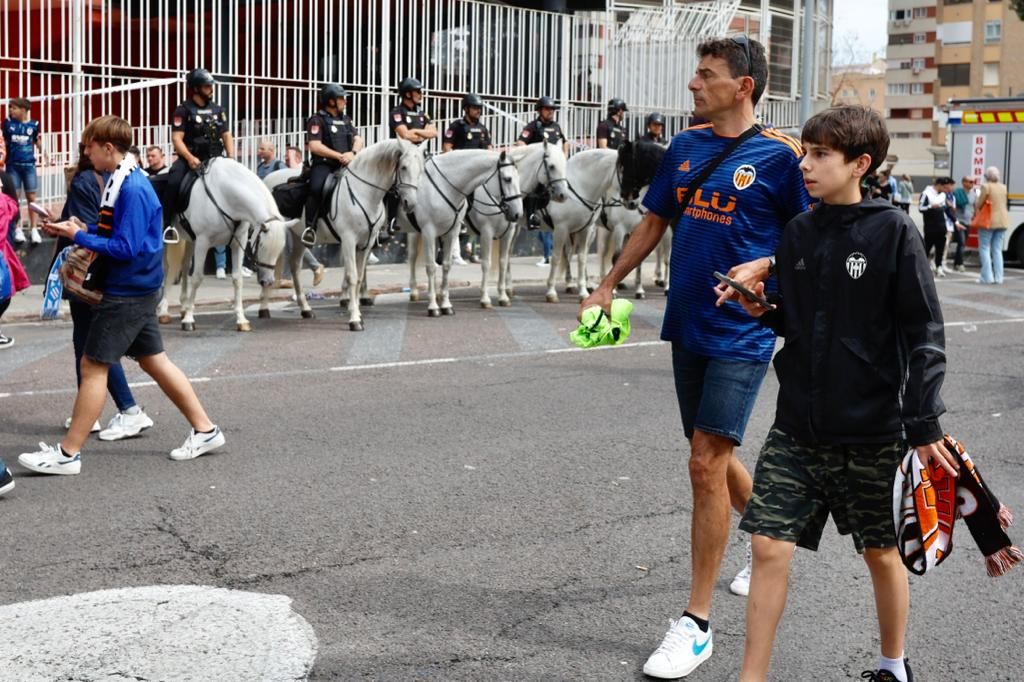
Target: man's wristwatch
[{"x": 771, "y": 265}]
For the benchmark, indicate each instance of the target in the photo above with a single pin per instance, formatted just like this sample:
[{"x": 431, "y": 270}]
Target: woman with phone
[{"x": 85, "y": 192}]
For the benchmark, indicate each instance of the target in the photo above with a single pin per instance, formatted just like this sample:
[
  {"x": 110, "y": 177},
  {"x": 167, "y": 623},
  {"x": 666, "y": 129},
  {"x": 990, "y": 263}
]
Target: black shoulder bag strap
[{"x": 707, "y": 170}]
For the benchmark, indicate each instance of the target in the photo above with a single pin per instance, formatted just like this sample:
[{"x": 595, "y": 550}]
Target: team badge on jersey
[
  {"x": 448, "y": 133},
  {"x": 526, "y": 132},
  {"x": 469, "y": 136},
  {"x": 177, "y": 121},
  {"x": 398, "y": 118},
  {"x": 408, "y": 119},
  {"x": 744, "y": 176},
  {"x": 856, "y": 264},
  {"x": 334, "y": 129},
  {"x": 314, "y": 129}
]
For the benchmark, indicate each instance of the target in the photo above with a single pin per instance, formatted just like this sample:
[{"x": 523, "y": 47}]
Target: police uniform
[
  {"x": 413, "y": 119},
  {"x": 650, "y": 137},
  {"x": 539, "y": 131},
  {"x": 613, "y": 131},
  {"x": 338, "y": 134},
  {"x": 204, "y": 128},
  {"x": 462, "y": 134}
]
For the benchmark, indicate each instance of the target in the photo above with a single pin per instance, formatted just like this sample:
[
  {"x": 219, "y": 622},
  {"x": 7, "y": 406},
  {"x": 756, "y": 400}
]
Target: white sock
[
  {"x": 895, "y": 666},
  {"x": 133, "y": 410}
]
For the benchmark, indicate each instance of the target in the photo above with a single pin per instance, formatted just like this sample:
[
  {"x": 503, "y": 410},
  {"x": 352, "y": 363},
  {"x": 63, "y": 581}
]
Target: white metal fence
[{"x": 271, "y": 56}]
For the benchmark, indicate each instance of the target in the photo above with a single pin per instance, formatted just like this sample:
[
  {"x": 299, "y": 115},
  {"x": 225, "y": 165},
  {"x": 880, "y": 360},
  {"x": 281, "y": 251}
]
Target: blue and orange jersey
[
  {"x": 737, "y": 215},
  {"x": 20, "y": 137}
]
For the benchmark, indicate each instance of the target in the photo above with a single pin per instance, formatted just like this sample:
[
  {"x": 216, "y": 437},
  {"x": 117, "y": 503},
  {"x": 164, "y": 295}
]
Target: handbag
[
  {"x": 81, "y": 272},
  {"x": 982, "y": 220}
]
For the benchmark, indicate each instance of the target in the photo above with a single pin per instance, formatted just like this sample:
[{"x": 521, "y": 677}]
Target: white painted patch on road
[
  {"x": 530, "y": 329},
  {"x": 166, "y": 632}
]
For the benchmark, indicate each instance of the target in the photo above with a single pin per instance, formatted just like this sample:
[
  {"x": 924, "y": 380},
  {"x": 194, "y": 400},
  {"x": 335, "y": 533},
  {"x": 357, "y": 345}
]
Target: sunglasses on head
[{"x": 744, "y": 42}]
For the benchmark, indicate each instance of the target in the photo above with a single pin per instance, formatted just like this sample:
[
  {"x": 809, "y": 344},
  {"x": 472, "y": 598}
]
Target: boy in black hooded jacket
[{"x": 859, "y": 379}]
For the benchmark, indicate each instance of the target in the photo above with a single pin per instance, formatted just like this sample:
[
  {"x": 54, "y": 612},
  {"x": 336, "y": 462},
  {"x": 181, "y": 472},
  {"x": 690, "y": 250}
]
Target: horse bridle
[
  {"x": 251, "y": 249},
  {"x": 505, "y": 198},
  {"x": 501, "y": 203},
  {"x": 549, "y": 183}
]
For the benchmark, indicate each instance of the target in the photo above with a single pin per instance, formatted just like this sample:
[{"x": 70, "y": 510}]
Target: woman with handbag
[
  {"x": 992, "y": 218},
  {"x": 85, "y": 194}
]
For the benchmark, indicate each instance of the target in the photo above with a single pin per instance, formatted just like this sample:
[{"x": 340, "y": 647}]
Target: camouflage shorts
[{"x": 796, "y": 486}]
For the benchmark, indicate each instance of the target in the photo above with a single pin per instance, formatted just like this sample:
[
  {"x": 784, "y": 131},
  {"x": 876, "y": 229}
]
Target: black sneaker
[
  {"x": 6, "y": 480},
  {"x": 885, "y": 675},
  {"x": 5, "y": 341}
]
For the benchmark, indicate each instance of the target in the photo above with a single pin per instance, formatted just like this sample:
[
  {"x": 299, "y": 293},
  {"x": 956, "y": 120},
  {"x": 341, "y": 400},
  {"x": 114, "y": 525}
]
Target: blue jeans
[
  {"x": 117, "y": 384},
  {"x": 24, "y": 176},
  {"x": 716, "y": 395},
  {"x": 220, "y": 256},
  {"x": 990, "y": 251},
  {"x": 547, "y": 240}
]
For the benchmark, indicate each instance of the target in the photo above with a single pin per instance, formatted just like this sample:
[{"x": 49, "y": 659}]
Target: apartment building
[
  {"x": 910, "y": 81},
  {"x": 862, "y": 84}
]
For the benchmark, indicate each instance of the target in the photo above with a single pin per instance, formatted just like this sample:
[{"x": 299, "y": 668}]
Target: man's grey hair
[
  {"x": 992, "y": 174},
  {"x": 269, "y": 144}
]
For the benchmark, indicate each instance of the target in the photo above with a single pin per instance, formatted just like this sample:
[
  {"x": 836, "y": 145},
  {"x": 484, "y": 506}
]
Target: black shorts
[{"x": 124, "y": 325}]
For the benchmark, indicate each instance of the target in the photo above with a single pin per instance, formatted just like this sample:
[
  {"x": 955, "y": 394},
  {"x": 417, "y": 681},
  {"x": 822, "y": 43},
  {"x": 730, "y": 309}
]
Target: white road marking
[{"x": 163, "y": 632}]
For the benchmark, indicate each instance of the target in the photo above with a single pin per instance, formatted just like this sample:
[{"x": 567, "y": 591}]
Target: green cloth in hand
[{"x": 597, "y": 329}]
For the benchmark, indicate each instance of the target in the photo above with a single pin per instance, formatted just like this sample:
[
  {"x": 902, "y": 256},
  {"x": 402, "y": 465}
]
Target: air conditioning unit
[{"x": 917, "y": 70}]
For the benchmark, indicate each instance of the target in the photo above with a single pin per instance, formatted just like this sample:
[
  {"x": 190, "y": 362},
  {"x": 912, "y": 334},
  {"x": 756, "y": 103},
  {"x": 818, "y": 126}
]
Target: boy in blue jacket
[
  {"x": 859, "y": 378},
  {"x": 128, "y": 239}
]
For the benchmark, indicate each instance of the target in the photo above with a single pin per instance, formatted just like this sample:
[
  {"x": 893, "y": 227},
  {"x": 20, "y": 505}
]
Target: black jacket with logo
[{"x": 864, "y": 354}]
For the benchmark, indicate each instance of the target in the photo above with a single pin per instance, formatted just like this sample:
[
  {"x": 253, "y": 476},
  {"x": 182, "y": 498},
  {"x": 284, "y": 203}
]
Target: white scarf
[{"x": 127, "y": 166}]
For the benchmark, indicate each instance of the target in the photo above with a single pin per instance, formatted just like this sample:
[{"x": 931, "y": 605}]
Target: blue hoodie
[{"x": 135, "y": 249}]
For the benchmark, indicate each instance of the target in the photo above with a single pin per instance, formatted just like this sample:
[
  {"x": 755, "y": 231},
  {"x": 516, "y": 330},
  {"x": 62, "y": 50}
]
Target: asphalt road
[{"x": 465, "y": 498}]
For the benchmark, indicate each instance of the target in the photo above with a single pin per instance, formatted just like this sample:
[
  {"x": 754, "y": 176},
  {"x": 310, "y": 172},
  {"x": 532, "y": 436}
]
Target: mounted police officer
[
  {"x": 407, "y": 121},
  {"x": 544, "y": 128},
  {"x": 468, "y": 132},
  {"x": 610, "y": 132},
  {"x": 199, "y": 132},
  {"x": 333, "y": 142},
  {"x": 655, "y": 124}
]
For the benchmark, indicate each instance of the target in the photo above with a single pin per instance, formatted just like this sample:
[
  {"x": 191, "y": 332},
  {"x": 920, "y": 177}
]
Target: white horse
[
  {"x": 354, "y": 215},
  {"x": 662, "y": 257},
  {"x": 614, "y": 224},
  {"x": 226, "y": 202},
  {"x": 593, "y": 179},
  {"x": 449, "y": 179},
  {"x": 539, "y": 165}
]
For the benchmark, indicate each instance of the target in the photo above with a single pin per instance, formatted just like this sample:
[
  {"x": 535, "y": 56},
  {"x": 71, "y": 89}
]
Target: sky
[{"x": 858, "y": 30}]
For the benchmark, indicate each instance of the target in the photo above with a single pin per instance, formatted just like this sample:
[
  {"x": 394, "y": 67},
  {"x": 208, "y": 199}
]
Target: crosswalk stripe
[
  {"x": 531, "y": 330},
  {"x": 383, "y": 336}
]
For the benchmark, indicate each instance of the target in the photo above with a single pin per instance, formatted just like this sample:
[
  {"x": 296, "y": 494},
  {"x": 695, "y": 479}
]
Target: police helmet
[
  {"x": 409, "y": 85},
  {"x": 332, "y": 91},
  {"x": 655, "y": 117},
  {"x": 615, "y": 105},
  {"x": 472, "y": 100},
  {"x": 199, "y": 77},
  {"x": 546, "y": 102}
]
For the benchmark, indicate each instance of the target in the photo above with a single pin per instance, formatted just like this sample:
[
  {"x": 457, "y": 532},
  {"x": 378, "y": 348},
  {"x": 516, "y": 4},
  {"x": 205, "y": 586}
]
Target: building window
[
  {"x": 993, "y": 31},
  {"x": 920, "y": 38},
  {"x": 898, "y": 89},
  {"x": 901, "y": 38},
  {"x": 917, "y": 88},
  {"x": 871, "y": 92},
  {"x": 780, "y": 57},
  {"x": 990, "y": 76},
  {"x": 956, "y": 32},
  {"x": 918, "y": 64},
  {"x": 955, "y": 74},
  {"x": 920, "y": 12}
]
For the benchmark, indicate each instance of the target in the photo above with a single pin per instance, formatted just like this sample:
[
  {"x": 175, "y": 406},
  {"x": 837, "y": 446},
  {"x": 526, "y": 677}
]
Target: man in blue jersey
[
  {"x": 21, "y": 135},
  {"x": 719, "y": 358},
  {"x": 128, "y": 241}
]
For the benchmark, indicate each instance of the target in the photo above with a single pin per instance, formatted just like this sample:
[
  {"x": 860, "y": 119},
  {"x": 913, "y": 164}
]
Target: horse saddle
[
  {"x": 185, "y": 191},
  {"x": 290, "y": 196}
]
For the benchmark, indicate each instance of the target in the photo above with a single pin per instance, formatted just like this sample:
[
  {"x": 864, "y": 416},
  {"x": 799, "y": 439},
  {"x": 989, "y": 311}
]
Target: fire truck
[{"x": 990, "y": 132}]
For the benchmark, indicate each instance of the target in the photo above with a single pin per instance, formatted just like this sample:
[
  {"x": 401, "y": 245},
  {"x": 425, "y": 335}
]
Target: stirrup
[
  {"x": 309, "y": 236},
  {"x": 393, "y": 226},
  {"x": 533, "y": 223},
  {"x": 383, "y": 237},
  {"x": 171, "y": 235}
]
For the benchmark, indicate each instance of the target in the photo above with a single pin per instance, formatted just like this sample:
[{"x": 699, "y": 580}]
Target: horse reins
[{"x": 250, "y": 250}]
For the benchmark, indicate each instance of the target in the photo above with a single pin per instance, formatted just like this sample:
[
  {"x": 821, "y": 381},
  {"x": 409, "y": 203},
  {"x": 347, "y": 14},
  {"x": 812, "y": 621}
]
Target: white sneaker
[
  {"x": 36, "y": 237},
  {"x": 96, "y": 427},
  {"x": 941, "y": 272},
  {"x": 683, "y": 649},
  {"x": 741, "y": 583},
  {"x": 50, "y": 460},
  {"x": 543, "y": 262},
  {"x": 198, "y": 444},
  {"x": 458, "y": 260},
  {"x": 373, "y": 260},
  {"x": 221, "y": 274},
  {"x": 124, "y": 425},
  {"x": 19, "y": 235},
  {"x": 246, "y": 272}
]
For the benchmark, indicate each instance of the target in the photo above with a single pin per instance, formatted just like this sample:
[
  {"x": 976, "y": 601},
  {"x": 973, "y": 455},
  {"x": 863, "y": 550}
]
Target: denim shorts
[
  {"x": 124, "y": 325},
  {"x": 23, "y": 175},
  {"x": 716, "y": 395}
]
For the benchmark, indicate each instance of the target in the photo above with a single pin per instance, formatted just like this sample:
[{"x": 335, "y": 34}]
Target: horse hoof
[
  {"x": 551, "y": 298},
  {"x": 264, "y": 313},
  {"x": 414, "y": 295},
  {"x": 504, "y": 303},
  {"x": 659, "y": 283},
  {"x": 367, "y": 301},
  {"x": 164, "y": 319},
  {"x": 641, "y": 295},
  {"x": 355, "y": 326},
  {"x": 306, "y": 315},
  {"x": 486, "y": 305},
  {"x": 433, "y": 312},
  {"x": 245, "y": 326},
  {"x": 447, "y": 311},
  {"x": 181, "y": 315},
  {"x": 188, "y": 326}
]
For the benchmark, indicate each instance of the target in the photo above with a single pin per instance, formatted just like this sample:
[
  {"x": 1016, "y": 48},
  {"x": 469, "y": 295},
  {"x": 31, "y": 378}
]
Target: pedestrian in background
[
  {"x": 21, "y": 135},
  {"x": 267, "y": 161},
  {"x": 964, "y": 197},
  {"x": 904, "y": 192},
  {"x": 155, "y": 162},
  {"x": 293, "y": 157},
  {"x": 990, "y": 236},
  {"x": 933, "y": 208},
  {"x": 12, "y": 275}
]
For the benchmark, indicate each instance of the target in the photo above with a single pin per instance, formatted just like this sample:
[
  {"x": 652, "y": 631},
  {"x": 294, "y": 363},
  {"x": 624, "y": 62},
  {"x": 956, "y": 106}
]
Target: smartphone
[
  {"x": 39, "y": 210},
  {"x": 745, "y": 292}
]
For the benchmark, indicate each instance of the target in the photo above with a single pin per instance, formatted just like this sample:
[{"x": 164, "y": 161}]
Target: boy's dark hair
[
  {"x": 21, "y": 103},
  {"x": 734, "y": 52},
  {"x": 850, "y": 129},
  {"x": 112, "y": 129}
]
